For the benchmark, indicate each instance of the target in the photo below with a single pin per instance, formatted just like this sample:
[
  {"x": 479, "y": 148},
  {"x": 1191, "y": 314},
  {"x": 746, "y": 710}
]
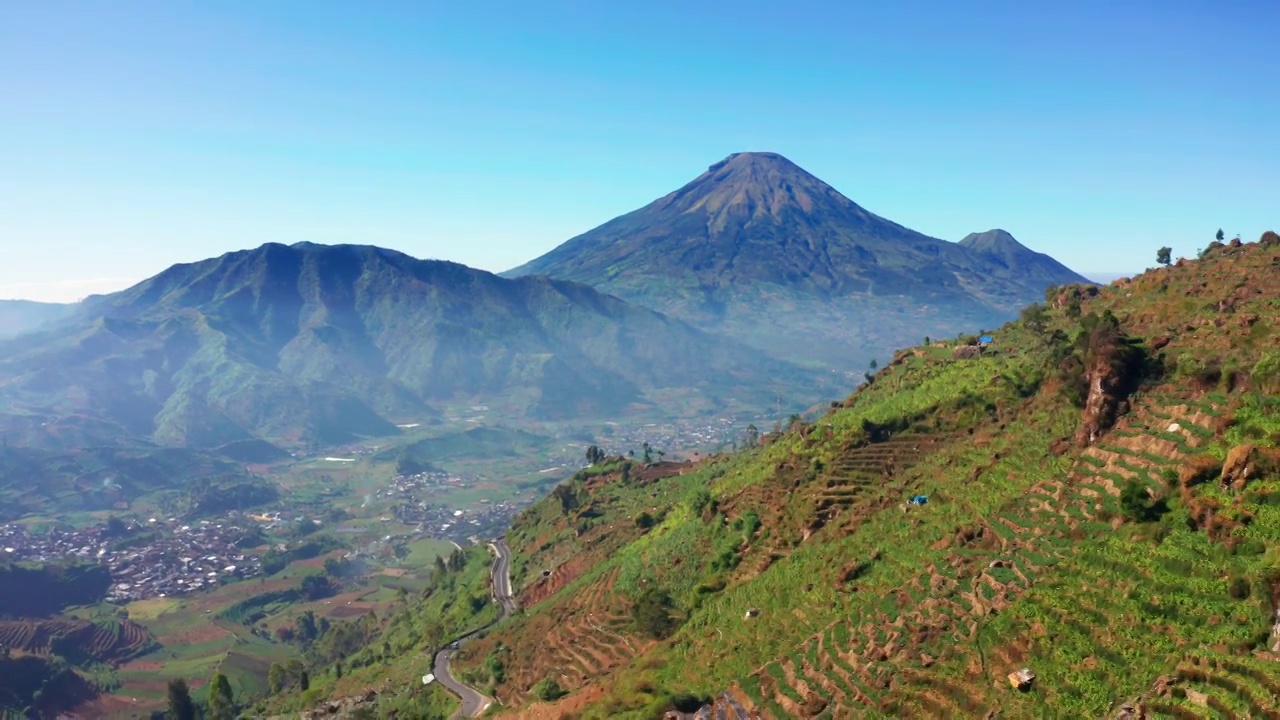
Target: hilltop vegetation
[{"x": 1101, "y": 489}]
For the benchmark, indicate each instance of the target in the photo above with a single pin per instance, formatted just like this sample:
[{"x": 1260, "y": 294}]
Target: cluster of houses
[
  {"x": 156, "y": 558},
  {"x": 410, "y": 495},
  {"x": 712, "y": 433}
]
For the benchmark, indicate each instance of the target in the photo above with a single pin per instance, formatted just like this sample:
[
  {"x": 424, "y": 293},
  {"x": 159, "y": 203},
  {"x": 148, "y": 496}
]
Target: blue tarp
[
  {"x": 919, "y": 499},
  {"x": 985, "y": 339}
]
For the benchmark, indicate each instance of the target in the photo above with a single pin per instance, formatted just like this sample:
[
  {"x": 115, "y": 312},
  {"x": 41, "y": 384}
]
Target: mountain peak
[
  {"x": 756, "y": 159},
  {"x": 755, "y": 185},
  {"x": 995, "y": 241}
]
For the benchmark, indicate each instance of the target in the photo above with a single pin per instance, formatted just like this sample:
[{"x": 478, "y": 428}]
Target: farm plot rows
[
  {"x": 875, "y": 664},
  {"x": 107, "y": 640}
]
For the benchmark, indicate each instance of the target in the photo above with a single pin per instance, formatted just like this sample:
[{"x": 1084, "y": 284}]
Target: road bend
[{"x": 475, "y": 702}]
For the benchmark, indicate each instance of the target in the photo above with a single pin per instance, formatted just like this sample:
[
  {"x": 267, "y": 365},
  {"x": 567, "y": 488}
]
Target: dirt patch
[
  {"x": 106, "y": 706},
  {"x": 352, "y": 610},
  {"x": 565, "y": 707},
  {"x": 546, "y": 586}
]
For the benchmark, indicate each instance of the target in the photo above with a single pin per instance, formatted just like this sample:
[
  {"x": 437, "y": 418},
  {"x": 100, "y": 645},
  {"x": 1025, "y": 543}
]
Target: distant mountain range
[
  {"x": 321, "y": 344},
  {"x": 22, "y": 316},
  {"x": 748, "y": 284},
  {"x": 766, "y": 252}
]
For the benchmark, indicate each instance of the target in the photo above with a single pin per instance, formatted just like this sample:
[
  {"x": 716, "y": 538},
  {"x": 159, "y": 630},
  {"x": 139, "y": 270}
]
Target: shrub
[
  {"x": 1135, "y": 503},
  {"x": 654, "y": 614},
  {"x": 547, "y": 690},
  {"x": 1238, "y": 588}
]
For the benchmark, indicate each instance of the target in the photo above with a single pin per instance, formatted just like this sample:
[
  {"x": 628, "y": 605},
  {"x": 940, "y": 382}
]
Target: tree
[
  {"x": 116, "y": 527},
  {"x": 180, "y": 705},
  {"x": 1136, "y": 503},
  {"x": 654, "y": 613},
  {"x": 648, "y": 453},
  {"x": 594, "y": 454},
  {"x": 1034, "y": 317},
  {"x": 316, "y": 587},
  {"x": 307, "y": 626},
  {"x": 644, "y": 521},
  {"x": 1220, "y": 236},
  {"x": 275, "y": 678},
  {"x": 753, "y": 435},
  {"x": 547, "y": 690},
  {"x": 221, "y": 702},
  {"x": 1164, "y": 255},
  {"x": 304, "y": 681},
  {"x": 1266, "y": 373},
  {"x": 873, "y": 363}
]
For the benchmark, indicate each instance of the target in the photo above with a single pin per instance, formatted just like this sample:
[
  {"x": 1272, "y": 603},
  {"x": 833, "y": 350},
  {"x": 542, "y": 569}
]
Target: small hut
[{"x": 1022, "y": 679}]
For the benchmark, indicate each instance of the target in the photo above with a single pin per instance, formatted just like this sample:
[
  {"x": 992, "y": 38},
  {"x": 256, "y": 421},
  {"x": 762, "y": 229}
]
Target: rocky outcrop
[
  {"x": 1114, "y": 365},
  {"x": 1107, "y": 391},
  {"x": 1237, "y": 468}
]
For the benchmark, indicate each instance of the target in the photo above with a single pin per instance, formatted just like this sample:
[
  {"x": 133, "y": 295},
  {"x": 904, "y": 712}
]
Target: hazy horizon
[
  {"x": 139, "y": 138},
  {"x": 73, "y": 291}
]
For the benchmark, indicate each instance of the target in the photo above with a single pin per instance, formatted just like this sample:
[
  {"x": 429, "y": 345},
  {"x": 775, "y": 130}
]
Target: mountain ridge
[{"x": 345, "y": 339}]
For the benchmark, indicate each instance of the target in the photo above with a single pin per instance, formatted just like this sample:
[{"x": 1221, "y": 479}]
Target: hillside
[
  {"x": 321, "y": 344},
  {"x": 22, "y": 316},
  {"x": 1101, "y": 487},
  {"x": 770, "y": 254}
]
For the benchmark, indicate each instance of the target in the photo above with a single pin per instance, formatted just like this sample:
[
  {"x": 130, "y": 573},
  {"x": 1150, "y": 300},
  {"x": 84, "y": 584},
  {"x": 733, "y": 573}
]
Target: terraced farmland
[{"x": 103, "y": 640}]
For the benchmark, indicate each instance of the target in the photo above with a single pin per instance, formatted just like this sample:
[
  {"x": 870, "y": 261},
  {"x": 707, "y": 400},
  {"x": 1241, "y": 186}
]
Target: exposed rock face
[
  {"x": 1238, "y": 467},
  {"x": 1102, "y": 404}
]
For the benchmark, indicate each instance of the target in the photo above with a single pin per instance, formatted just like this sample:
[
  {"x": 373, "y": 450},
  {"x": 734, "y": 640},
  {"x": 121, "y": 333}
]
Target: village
[
  {"x": 710, "y": 435},
  {"x": 158, "y": 558},
  {"x": 409, "y": 493}
]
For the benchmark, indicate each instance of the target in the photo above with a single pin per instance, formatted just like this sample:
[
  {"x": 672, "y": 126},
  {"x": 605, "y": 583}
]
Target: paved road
[{"x": 474, "y": 702}]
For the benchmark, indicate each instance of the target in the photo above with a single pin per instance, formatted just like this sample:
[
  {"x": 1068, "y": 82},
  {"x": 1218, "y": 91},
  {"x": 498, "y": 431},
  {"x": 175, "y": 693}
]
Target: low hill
[
  {"x": 96, "y": 477},
  {"x": 770, "y": 254},
  {"x": 324, "y": 344},
  {"x": 23, "y": 316},
  {"x": 29, "y": 591},
  {"x": 1091, "y": 497}
]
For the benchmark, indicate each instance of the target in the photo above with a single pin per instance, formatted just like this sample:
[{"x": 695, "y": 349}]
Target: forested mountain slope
[{"x": 314, "y": 344}]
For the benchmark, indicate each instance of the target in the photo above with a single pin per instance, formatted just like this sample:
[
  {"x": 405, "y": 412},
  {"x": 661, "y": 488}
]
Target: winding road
[{"x": 473, "y": 701}]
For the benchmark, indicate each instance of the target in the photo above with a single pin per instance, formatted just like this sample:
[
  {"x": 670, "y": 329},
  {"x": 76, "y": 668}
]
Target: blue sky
[{"x": 136, "y": 135}]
